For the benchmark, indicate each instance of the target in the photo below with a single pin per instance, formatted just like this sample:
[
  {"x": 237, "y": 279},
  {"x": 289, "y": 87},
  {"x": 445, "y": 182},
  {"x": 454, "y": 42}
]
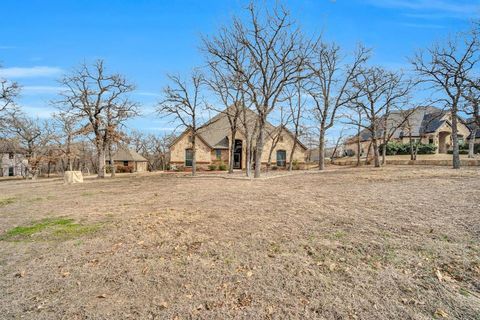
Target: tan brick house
[
  {"x": 428, "y": 125},
  {"x": 128, "y": 159},
  {"x": 213, "y": 146}
]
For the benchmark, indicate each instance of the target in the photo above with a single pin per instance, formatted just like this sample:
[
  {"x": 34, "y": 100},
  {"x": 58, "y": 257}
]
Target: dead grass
[{"x": 393, "y": 243}]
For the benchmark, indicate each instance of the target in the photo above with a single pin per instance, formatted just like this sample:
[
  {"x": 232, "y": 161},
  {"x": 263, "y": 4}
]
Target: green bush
[
  {"x": 274, "y": 168},
  {"x": 295, "y": 165},
  {"x": 394, "y": 148},
  {"x": 460, "y": 151},
  {"x": 222, "y": 167},
  {"x": 212, "y": 167}
]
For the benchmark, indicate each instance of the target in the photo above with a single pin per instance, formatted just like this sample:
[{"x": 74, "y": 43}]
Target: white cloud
[
  {"x": 30, "y": 72},
  {"x": 448, "y": 8}
]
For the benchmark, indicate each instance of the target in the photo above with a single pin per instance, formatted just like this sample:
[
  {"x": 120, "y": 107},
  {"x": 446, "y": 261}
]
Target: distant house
[
  {"x": 13, "y": 161},
  {"x": 213, "y": 145},
  {"x": 128, "y": 160},
  {"x": 471, "y": 126},
  {"x": 428, "y": 125}
]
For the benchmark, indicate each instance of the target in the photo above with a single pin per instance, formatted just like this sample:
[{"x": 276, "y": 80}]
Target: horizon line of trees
[{"x": 264, "y": 63}]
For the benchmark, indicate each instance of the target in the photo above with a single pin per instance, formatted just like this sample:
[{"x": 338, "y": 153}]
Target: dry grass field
[{"x": 393, "y": 243}]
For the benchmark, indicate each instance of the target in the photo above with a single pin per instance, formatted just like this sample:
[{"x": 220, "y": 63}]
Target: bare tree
[
  {"x": 276, "y": 134},
  {"x": 329, "y": 86},
  {"x": 296, "y": 109},
  {"x": 8, "y": 92},
  {"x": 33, "y": 136},
  {"x": 68, "y": 130},
  {"x": 101, "y": 102},
  {"x": 446, "y": 67},
  {"x": 275, "y": 55},
  {"x": 182, "y": 102},
  {"x": 377, "y": 90},
  {"x": 226, "y": 84},
  {"x": 472, "y": 110}
]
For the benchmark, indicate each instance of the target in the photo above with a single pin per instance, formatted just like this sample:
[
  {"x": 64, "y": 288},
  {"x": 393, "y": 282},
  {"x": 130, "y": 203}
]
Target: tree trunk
[
  {"x": 259, "y": 149},
  {"x": 359, "y": 146},
  {"x": 321, "y": 149},
  {"x": 456, "y": 153},
  {"x": 101, "y": 162},
  {"x": 292, "y": 152},
  {"x": 194, "y": 155},
  {"x": 112, "y": 165},
  {"x": 248, "y": 160},
  {"x": 376, "y": 155},
  {"x": 232, "y": 151},
  {"x": 384, "y": 154},
  {"x": 471, "y": 142}
]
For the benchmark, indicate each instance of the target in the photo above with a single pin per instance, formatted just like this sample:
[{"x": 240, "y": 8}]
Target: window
[
  {"x": 125, "y": 163},
  {"x": 218, "y": 154},
  {"x": 280, "y": 139},
  {"x": 430, "y": 141},
  {"x": 188, "y": 157},
  {"x": 11, "y": 155},
  {"x": 281, "y": 158}
]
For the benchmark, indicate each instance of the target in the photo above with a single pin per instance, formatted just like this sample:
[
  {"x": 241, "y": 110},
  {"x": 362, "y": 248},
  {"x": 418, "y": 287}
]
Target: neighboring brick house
[
  {"x": 428, "y": 125},
  {"x": 12, "y": 159},
  {"x": 128, "y": 160},
  {"x": 212, "y": 145}
]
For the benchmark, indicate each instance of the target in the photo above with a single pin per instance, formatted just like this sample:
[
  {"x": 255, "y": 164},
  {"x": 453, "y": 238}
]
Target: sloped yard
[{"x": 400, "y": 242}]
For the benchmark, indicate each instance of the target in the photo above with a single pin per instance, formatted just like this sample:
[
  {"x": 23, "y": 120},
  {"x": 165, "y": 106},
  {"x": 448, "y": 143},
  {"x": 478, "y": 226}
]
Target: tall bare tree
[
  {"x": 329, "y": 86},
  {"x": 101, "y": 101},
  {"x": 472, "y": 110},
  {"x": 183, "y": 103},
  {"x": 446, "y": 67},
  {"x": 376, "y": 92},
  {"x": 68, "y": 129},
  {"x": 275, "y": 54},
  {"x": 227, "y": 86}
]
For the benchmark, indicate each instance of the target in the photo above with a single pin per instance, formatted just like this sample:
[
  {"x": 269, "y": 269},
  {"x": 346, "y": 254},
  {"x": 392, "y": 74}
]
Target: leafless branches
[
  {"x": 100, "y": 101},
  {"x": 182, "y": 101}
]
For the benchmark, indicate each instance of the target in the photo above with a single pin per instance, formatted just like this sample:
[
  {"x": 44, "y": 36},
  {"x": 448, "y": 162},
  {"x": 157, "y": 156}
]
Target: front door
[
  {"x": 11, "y": 171},
  {"x": 237, "y": 155}
]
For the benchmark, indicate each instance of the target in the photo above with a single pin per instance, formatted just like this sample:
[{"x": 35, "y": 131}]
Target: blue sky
[{"x": 145, "y": 40}]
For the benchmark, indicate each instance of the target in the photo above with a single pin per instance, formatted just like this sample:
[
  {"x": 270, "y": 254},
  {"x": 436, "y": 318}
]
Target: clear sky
[{"x": 145, "y": 40}]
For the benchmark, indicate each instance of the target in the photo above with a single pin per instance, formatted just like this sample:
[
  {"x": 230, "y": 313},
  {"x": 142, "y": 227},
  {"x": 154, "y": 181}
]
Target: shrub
[
  {"x": 274, "y": 168},
  {"x": 460, "y": 151},
  {"x": 427, "y": 149},
  {"x": 124, "y": 169},
  {"x": 222, "y": 167},
  {"x": 295, "y": 165},
  {"x": 212, "y": 167},
  {"x": 394, "y": 148}
]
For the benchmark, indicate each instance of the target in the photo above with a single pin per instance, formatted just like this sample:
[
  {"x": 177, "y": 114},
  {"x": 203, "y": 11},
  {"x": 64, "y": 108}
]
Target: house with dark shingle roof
[
  {"x": 429, "y": 125},
  {"x": 129, "y": 159},
  {"x": 213, "y": 144}
]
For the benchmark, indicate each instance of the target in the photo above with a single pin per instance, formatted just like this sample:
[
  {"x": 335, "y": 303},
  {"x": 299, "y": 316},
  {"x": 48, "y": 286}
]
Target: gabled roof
[
  {"x": 421, "y": 121},
  {"x": 126, "y": 154},
  {"x": 214, "y": 133}
]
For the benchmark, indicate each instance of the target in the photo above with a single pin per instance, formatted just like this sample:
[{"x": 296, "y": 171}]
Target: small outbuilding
[{"x": 128, "y": 160}]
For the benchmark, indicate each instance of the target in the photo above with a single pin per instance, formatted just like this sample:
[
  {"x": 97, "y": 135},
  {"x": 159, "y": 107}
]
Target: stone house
[
  {"x": 428, "y": 125},
  {"x": 13, "y": 161},
  {"x": 128, "y": 160},
  {"x": 213, "y": 145}
]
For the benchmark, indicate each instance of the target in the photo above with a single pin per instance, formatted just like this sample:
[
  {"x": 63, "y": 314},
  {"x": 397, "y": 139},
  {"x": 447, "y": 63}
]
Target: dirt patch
[{"x": 392, "y": 243}]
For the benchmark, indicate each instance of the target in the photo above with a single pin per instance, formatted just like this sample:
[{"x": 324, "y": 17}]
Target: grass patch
[
  {"x": 6, "y": 201},
  {"x": 87, "y": 194},
  {"x": 51, "y": 228}
]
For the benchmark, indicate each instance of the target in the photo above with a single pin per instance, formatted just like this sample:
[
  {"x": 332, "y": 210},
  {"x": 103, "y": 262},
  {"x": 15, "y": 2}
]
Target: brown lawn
[{"x": 393, "y": 243}]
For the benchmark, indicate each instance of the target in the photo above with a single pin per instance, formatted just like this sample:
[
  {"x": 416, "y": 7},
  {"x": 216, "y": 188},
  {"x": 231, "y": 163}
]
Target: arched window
[
  {"x": 188, "y": 157},
  {"x": 281, "y": 158}
]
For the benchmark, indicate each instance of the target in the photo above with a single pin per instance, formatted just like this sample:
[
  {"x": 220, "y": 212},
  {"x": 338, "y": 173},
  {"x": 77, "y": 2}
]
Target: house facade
[
  {"x": 13, "y": 161},
  {"x": 213, "y": 146},
  {"x": 427, "y": 125},
  {"x": 128, "y": 160}
]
